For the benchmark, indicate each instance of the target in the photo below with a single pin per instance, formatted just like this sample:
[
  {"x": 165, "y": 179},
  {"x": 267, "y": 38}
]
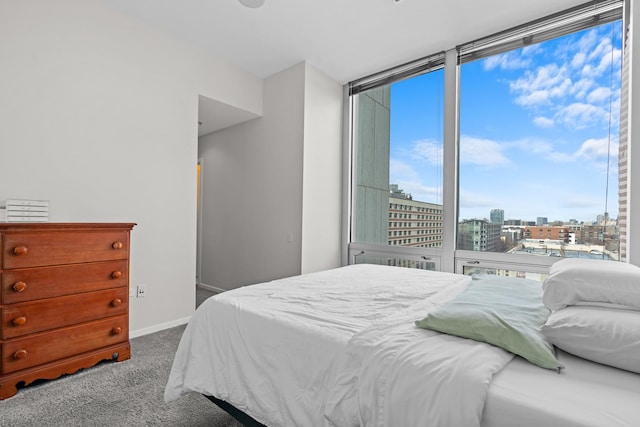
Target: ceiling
[
  {"x": 346, "y": 39},
  {"x": 214, "y": 115}
]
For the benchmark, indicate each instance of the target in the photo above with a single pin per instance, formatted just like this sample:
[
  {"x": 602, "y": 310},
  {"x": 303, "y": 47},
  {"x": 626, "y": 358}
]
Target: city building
[
  {"x": 497, "y": 216},
  {"x": 413, "y": 223},
  {"x": 511, "y": 235},
  {"x": 547, "y": 233},
  {"x": 479, "y": 235}
]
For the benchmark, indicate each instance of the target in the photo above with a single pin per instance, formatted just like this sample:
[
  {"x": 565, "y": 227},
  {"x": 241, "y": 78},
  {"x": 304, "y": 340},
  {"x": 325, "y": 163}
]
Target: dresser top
[{"x": 36, "y": 226}]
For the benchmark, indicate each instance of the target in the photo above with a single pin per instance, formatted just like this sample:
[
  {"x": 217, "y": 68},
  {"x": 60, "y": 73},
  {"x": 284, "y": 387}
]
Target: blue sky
[{"x": 534, "y": 130}]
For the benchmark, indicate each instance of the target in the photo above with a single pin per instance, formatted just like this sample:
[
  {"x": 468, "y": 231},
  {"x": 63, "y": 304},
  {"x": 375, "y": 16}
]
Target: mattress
[
  {"x": 280, "y": 351},
  {"x": 585, "y": 394}
]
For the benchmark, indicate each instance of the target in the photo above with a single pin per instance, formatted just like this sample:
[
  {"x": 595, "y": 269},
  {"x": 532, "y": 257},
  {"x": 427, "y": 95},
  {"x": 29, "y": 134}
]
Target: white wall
[
  {"x": 322, "y": 173},
  {"x": 99, "y": 115},
  {"x": 252, "y": 190},
  {"x": 272, "y": 185}
]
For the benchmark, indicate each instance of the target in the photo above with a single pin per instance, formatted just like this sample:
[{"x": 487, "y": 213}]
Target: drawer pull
[
  {"x": 20, "y": 250},
  {"x": 117, "y": 245},
  {"x": 116, "y": 274},
  {"x": 116, "y": 330},
  {"x": 19, "y": 286},
  {"x": 116, "y": 302},
  {"x": 20, "y": 354},
  {"x": 19, "y": 321}
]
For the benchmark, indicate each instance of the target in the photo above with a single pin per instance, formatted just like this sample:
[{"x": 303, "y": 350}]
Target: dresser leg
[
  {"x": 7, "y": 390},
  {"x": 57, "y": 368}
]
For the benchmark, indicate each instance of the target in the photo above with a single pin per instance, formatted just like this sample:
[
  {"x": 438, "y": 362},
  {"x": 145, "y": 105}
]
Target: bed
[{"x": 342, "y": 348}]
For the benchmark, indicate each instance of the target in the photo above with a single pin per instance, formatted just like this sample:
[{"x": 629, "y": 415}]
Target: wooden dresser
[{"x": 64, "y": 302}]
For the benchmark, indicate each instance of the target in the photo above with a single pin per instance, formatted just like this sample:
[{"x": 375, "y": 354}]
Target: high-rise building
[
  {"x": 372, "y": 172},
  {"x": 497, "y": 216}
]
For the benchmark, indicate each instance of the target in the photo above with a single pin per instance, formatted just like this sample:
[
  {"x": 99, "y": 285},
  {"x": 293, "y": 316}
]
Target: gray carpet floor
[{"x": 128, "y": 393}]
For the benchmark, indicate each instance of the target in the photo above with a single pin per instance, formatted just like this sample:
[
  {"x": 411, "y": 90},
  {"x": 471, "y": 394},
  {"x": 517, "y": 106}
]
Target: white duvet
[
  {"x": 337, "y": 348},
  {"x": 395, "y": 374}
]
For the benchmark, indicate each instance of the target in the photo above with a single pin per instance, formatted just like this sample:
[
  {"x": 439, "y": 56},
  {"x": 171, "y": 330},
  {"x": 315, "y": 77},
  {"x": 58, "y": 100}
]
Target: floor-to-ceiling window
[
  {"x": 397, "y": 174},
  {"x": 537, "y": 138}
]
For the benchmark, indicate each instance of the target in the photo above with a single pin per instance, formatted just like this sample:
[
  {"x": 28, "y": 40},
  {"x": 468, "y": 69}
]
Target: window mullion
[{"x": 450, "y": 161}]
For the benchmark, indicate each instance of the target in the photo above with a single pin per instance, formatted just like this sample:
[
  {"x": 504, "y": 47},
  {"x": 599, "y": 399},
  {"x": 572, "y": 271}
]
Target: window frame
[
  {"x": 448, "y": 257},
  {"x": 424, "y": 65}
]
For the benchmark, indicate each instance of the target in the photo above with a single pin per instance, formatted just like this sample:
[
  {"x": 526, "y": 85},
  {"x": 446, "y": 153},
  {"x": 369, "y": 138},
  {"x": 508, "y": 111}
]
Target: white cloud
[
  {"x": 532, "y": 145},
  {"x": 581, "y": 87},
  {"x": 542, "y": 148},
  {"x": 421, "y": 192},
  {"x": 599, "y": 53},
  {"x": 507, "y": 61},
  {"x": 399, "y": 170},
  {"x": 603, "y": 54},
  {"x": 537, "y": 88},
  {"x": 603, "y": 64},
  {"x": 578, "y": 60},
  {"x": 412, "y": 182},
  {"x": 588, "y": 41},
  {"x": 538, "y": 97},
  {"x": 574, "y": 90},
  {"x": 562, "y": 88},
  {"x": 593, "y": 149},
  {"x": 580, "y": 115},
  {"x": 599, "y": 94},
  {"x": 544, "y": 77},
  {"x": 543, "y": 122},
  {"x": 482, "y": 152},
  {"x": 429, "y": 150}
]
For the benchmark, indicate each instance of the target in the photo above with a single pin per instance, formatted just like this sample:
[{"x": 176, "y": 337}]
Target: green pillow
[{"x": 502, "y": 311}]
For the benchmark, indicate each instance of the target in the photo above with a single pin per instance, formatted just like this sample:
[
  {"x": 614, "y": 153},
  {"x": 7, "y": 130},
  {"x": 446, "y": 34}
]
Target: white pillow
[
  {"x": 603, "y": 335},
  {"x": 573, "y": 281}
]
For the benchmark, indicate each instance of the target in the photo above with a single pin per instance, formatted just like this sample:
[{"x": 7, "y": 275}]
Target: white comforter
[
  {"x": 395, "y": 374},
  {"x": 337, "y": 348}
]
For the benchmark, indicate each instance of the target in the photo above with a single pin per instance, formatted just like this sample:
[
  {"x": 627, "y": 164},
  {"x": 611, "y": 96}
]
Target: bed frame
[{"x": 241, "y": 417}]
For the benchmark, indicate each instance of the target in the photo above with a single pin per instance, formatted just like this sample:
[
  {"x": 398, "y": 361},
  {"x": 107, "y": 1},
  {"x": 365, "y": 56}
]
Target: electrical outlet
[{"x": 142, "y": 290}]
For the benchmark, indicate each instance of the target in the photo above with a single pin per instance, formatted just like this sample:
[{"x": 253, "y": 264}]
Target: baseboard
[
  {"x": 159, "y": 327},
  {"x": 173, "y": 323},
  {"x": 211, "y": 288}
]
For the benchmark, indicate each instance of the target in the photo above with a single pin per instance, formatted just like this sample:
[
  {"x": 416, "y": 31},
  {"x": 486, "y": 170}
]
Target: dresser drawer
[
  {"x": 21, "y": 250},
  {"x": 42, "y": 315},
  {"x": 41, "y": 348},
  {"x": 30, "y": 284}
]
